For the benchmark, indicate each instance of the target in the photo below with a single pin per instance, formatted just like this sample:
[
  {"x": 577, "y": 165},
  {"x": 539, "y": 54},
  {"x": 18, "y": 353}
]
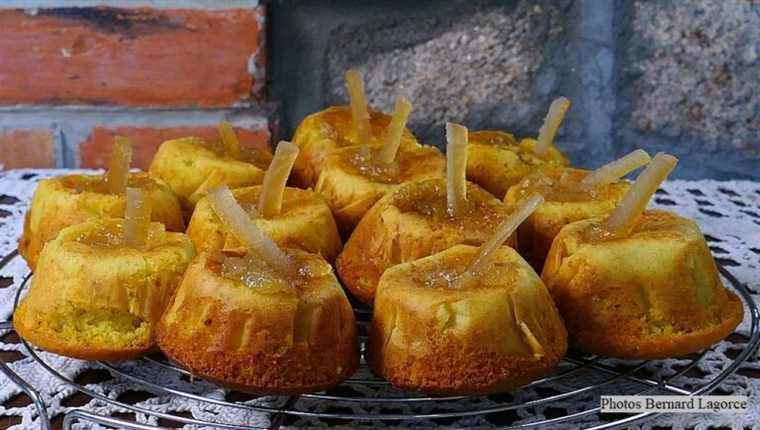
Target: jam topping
[{"x": 557, "y": 186}]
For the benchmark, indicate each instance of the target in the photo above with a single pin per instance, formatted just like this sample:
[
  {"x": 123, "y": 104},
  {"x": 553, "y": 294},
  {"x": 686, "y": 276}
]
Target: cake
[
  {"x": 191, "y": 166},
  {"x": 491, "y": 334},
  {"x": 267, "y": 320},
  {"x": 94, "y": 297},
  {"x": 412, "y": 222},
  {"x": 305, "y": 222},
  {"x": 497, "y": 161},
  {"x": 352, "y": 180},
  {"x": 565, "y": 202},
  {"x": 639, "y": 283},
  {"x": 71, "y": 199}
]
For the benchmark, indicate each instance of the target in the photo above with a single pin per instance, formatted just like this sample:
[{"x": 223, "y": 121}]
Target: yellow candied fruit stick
[
  {"x": 553, "y": 120},
  {"x": 136, "y": 218},
  {"x": 395, "y": 130},
  {"x": 236, "y": 221},
  {"x": 229, "y": 140},
  {"x": 503, "y": 231},
  {"x": 118, "y": 166},
  {"x": 634, "y": 201},
  {"x": 456, "y": 167},
  {"x": 613, "y": 171},
  {"x": 213, "y": 180},
  {"x": 273, "y": 188},
  {"x": 358, "y": 101}
]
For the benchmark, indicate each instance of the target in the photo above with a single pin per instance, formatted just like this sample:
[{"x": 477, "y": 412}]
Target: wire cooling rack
[{"x": 582, "y": 376}]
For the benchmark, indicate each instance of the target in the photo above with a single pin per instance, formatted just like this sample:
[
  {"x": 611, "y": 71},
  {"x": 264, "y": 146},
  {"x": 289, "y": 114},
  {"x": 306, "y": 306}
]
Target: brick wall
[
  {"x": 675, "y": 75},
  {"x": 75, "y": 73}
]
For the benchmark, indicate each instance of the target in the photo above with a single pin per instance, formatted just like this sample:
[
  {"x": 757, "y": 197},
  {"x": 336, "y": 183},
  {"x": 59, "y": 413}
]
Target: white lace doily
[{"x": 728, "y": 213}]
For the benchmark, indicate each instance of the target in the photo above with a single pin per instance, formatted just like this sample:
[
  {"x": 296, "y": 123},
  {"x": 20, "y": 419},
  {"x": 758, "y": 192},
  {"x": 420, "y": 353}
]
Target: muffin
[
  {"x": 352, "y": 180},
  {"x": 565, "y": 202},
  {"x": 236, "y": 322},
  {"x": 496, "y": 161},
  {"x": 71, "y": 199},
  {"x": 493, "y": 334},
  {"x": 191, "y": 166},
  {"x": 653, "y": 293},
  {"x": 305, "y": 222},
  {"x": 94, "y": 297}
]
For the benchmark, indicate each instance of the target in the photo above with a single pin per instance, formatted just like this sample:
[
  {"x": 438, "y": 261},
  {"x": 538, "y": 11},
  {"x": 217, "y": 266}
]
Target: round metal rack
[{"x": 367, "y": 399}]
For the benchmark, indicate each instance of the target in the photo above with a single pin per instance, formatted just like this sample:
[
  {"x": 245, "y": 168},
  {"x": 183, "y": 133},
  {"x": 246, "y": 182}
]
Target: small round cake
[
  {"x": 192, "y": 165},
  {"x": 352, "y": 181},
  {"x": 564, "y": 202},
  {"x": 494, "y": 333},
  {"x": 655, "y": 293},
  {"x": 233, "y": 321},
  {"x": 93, "y": 297},
  {"x": 410, "y": 223},
  {"x": 67, "y": 200},
  {"x": 305, "y": 222},
  {"x": 322, "y": 132},
  {"x": 496, "y": 161}
]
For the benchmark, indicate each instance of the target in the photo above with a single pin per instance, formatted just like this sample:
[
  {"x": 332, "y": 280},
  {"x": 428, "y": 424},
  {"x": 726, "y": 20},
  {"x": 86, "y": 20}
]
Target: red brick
[
  {"x": 94, "y": 152},
  {"x": 136, "y": 57},
  {"x": 27, "y": 148}
]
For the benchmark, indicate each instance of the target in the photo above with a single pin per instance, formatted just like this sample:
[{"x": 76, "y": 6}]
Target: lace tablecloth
[{"x": 728, "y": 212}]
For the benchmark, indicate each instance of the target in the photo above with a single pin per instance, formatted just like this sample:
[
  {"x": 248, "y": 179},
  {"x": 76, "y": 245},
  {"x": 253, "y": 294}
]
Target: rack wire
[{"x": 610, "y": 377}]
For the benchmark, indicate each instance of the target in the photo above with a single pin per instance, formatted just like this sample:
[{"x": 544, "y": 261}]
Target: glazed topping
[
  {"x": 456, "y": 168},
  {"x": 273, "y": 188},
  {"x": 364, "y": 161},
  {"x": 117, "y": 174},
  {"x": 110, "y": 234},
  {"x": 444, "y": 274},
  {"x": 613, "y": 171},
  {"x": 634, "y": 202},
  {"x": 229, "y": 140},
  {"x": 552, "y": 122},
  {"x": 236, "y": 221},
  {"x": 358, "y": 101},
  {"x": 395, "y": 130},
  {"x": 136, "y": 218},
  {"x": 253, "y": 272},
  {"x": 505, "y": 229},
  {"x": 428, "y": 198},
  {"x": 495, "y": 138},
  {"x": 556, "y": 187}
]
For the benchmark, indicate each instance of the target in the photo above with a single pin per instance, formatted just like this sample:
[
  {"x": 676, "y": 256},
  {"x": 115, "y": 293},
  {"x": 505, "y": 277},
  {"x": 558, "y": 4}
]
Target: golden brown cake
[
  {"x": 565, "y": 202},
  {"x": 191, "y": 166},
  {"x": 410, "y": 223},
  {"x": 322, "y": 132},
  {"x": 67, "y": 200},
  {"x": 95, "y": 298},
  {"x": 352, "y": 181},
  {"x": 233, "y": 321},
  {"x": 496, "y": 161},
  {"x": 654, "y": 293},
  {"x": 493, "y": 334},
  {"x": 305, "y": 223}
]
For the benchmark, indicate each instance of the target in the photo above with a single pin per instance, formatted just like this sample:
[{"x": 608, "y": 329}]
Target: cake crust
[{"x": 653, "y": 294}]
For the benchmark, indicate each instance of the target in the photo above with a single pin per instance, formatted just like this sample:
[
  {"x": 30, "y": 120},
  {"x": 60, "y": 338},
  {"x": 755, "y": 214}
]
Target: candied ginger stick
[
  {"x": 615, "y": 170},
  {"x": 270, "y": 199},
  {"x": 358, "y": 101},
  {"x": 118, "y": 166},
  {"x": 503, "y": 231},
  {"x": 395, "y": 130},
  {"x": 229, "y": 139},
  {"x": 237, "y": 222},
  {"x": 634, "y": 202},
  {"x": 552, "y": 122},
  {"x": 215, "y": 179},
  {"x": 136, "y": 218},
  {"x": 456, "y": 167}
]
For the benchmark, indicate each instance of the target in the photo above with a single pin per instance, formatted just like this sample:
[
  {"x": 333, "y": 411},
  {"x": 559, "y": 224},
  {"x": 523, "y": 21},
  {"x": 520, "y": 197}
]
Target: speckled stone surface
[
  {"x": 481, "y": 66},
  {"x": 697, "y": 64}
]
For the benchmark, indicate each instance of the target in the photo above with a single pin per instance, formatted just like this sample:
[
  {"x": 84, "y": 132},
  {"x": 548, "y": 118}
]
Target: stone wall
[{"x": 679, "y": 76}]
